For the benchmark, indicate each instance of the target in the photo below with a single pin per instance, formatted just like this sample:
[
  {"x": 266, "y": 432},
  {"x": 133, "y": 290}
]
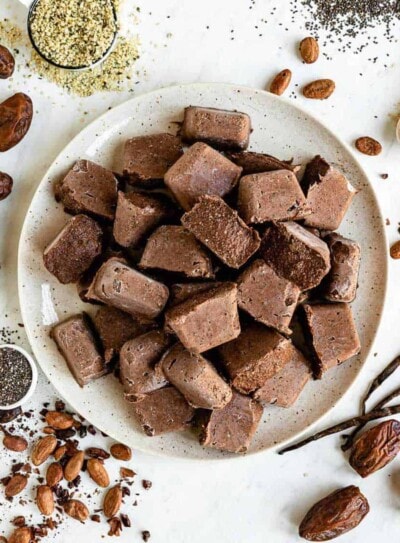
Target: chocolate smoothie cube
[
  {"x": 255, "y": 356},
  {"x": 296, "y": 254},
  {"x": 284, "y": 388},
  {"x": 175, "y": 249},
  {"x": 139, "y": 371},
  {"x": 121, "y": 286},
  {"x": 218, "y": 127},
  {"x": 147, "y": 158},
  {"x": 340, "y": 285},
  {"x": 232, "y": 428},
  {"x": 252, "y": 162},
  {"x": 332, "y": 335},
  {"x": 137, "y": 215},
  {"x": 201, "y": 171},
  {"x": 179, "y": 292},
  {"x": 268, "y": 298},
  {"x": 77, "y": 344},
  {"x": 162, "y": 411},
  {"x": 271, "y": 196},
  {"x": 207, "y": 319},
  {"x": 74, "y": 249},
  {"x": 196, "y": 378},
  {"x": 329, "y": 195},
  {"x": 115, "y": 328},
  {"x": 221, "y": 229},
  {"x": 89, "y": 188}
]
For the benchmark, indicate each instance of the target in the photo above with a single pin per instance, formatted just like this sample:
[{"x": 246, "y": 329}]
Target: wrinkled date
[
  {"x": 6, "y": 184},
  {"x": 7, "y": 63},
  {"x": 334, "y": 515},
  {"x": 15, "y": 119},
  {"x": 375, "y": 448}
]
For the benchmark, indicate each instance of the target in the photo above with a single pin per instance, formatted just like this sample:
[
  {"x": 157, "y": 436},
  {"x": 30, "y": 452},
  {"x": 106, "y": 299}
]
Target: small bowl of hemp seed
[
  {"x": 18, "y": 376},
  {"x": 73, "y": 34}
]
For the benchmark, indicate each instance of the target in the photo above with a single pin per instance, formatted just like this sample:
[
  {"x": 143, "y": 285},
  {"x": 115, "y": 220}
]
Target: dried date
[
  {"x": 6, "y": 185},
  {"x": 375, "y": 448},
  {"x": 15, "y": 119},
  {"x": 7, "y": 63},
  {"x": 334, "y": 515}
]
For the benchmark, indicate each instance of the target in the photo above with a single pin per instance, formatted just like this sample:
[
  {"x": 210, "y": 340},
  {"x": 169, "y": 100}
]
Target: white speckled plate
[{"x": 281, "y": 129}]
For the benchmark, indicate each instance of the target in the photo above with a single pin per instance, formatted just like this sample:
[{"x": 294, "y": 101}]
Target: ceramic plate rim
[{"x": 384, "y": 284}]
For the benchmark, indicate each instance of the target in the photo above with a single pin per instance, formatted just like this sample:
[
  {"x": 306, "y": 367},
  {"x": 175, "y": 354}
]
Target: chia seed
[
  {"x": 346, "y": 20},
  {"x": 15, "y": 376}
]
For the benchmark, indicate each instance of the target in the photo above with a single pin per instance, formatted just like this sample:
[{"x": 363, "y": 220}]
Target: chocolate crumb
[
  {"x": 146, "y": 484},
  {"x": 125, "y": 520},
  {"x": 146, "y": 535}
]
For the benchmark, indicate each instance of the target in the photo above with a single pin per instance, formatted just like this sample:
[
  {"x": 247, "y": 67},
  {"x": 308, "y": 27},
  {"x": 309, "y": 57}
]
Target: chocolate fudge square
[
  {"x": 268, "y": 298},
  {"x": 162, "y": 411},
  {"x": 218, "y": 127},
  {"x": 137, "y": 215},
  {"x": 271, "y": 196},
  {"x": 332, "y": 335},
  {"x": 76, "y": 342},
  {"x": 74, "y": 249},
  {"x": 340, "y": 285},
  {"x": 200, "y": 171},
  {"x": 196, "y": 378},
  {"x": 175, "y": 249},
  {"x": 123, "y": 287},
  {"x": 220, "y": 228},
  {"x": 284, "y": 388},
  {"x": 139, "y": 372},
  {"x": 115, "y": 327},
  {"x": 252, "y": 162},
  {"x": 147, "y": 158},
  {"x": 329, "y": 195},
  {"x": 207, "y": 319},
  {"x": 255, "y": 356},
  {"x": 179, "y": 292},
  {"x": 296, "y": 254},
  {"x": 89, "y": 188},
  {"x": 232, "y": 428}
]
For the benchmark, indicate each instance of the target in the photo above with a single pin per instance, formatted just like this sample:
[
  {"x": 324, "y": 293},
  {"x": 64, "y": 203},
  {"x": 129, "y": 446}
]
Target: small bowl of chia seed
[{"x": 18, "y": 376}]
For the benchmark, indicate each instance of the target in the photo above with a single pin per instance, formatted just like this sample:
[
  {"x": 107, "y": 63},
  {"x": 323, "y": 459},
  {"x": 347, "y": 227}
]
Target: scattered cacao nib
[
  {"x": 7, "y": 63},
  {"x": 146, "y": 535},
  {"x": 95, "y": 518},
  {"x": 10, "y": 415},
  {"x": 126, "y": 473},
  {"x": 5, "y": 480},
  {"x": 126, "y": 491},
  {"x": 334, "y": 515},
  {"x": 115, "y": 526},
  {"x": 92, "y": 430},
  {"x": 125, "y": 520},
  {"x": 83, "y": 431},
  {"x": 65, "y": 434},
  {"x": 95, "y": 452},
  {"x": 19, "y": 521},
  {"x": 44, "y": 412},
  {"x": 375, "y": 448},
  {"x": 6, "y": 185},
  {"x": 146, "y": 484},
  {"x": 59, "y": 405},
  {"x": 71, "y": 447},
  {"x": 17, "y": 467},
  {"x": 384, "y": 175}
]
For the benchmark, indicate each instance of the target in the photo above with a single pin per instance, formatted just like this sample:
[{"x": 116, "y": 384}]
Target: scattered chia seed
[
  {"x": 15, "y": 376},
  {"x": 345, "y": 20}
]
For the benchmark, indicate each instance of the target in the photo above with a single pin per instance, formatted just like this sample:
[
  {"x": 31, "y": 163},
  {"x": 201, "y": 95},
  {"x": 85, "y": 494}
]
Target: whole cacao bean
[{"x": 15, "y": 119}]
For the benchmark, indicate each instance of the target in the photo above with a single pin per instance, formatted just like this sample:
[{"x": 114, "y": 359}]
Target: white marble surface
[{"x": 263, "y": 498}]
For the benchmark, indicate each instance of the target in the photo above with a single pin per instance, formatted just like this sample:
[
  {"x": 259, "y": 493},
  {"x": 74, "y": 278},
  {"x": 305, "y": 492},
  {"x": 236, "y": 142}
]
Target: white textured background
[{"x": 261, "y": 499}]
